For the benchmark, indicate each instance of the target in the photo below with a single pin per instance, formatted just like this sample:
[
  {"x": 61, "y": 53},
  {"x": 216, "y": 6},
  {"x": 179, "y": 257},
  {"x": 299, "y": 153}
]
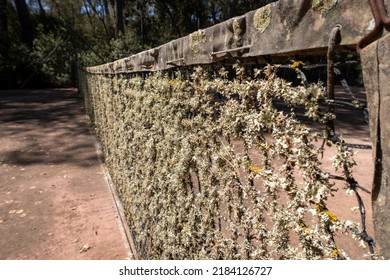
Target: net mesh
[{"x": 217, "y": 164}]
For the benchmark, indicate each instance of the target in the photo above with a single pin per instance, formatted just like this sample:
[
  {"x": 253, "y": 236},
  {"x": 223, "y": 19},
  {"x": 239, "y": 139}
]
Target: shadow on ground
[
  {"x": 55, "y": 201},
  {"x": 43, "y": 126}
]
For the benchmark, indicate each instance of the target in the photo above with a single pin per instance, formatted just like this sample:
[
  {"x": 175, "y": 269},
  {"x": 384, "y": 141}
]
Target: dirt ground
[{"x": 55, "y": 200}]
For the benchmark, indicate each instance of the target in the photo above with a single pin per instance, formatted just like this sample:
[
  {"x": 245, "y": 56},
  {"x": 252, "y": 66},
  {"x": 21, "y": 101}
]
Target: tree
[
  {"x": 4, "y": 37},
  {"x": 95, "y": 31},
  {"x": 119, "y": 22},
  {"x": 232, "y": 8},
  {"x": 41, "y": 9},
  {"x": 25, "y": 22}
]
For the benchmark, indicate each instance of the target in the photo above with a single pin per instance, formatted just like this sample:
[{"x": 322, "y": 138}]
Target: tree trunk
[
  {"x": 99, "y": 17},
  {"x": 231, "y": 12},
  {"x": 25, "y": 22},
  {"x": 173, "y": 19},
  {"x": 108, "y": 18},
  {"x": 106, "y": 9},
  {"x": 4, "y": 37},
  {"x": 119, "y": 23},
  {"x": 41, "y": 9},
  {"x": 90, "y": 19}
]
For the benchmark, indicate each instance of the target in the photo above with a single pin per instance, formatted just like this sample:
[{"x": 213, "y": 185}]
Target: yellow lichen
[
  {"x": 323, "y": 6},
  {"x": 296, "y": 64},
  {"x": 197, "y": 38},
  {"x": 262, "y": 18},
  {"x": 255, "y": 169},
  {"x": 331, "y": 216}
]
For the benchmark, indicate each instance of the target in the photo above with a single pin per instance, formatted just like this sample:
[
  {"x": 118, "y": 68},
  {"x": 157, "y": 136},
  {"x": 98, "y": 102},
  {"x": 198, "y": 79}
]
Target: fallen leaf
[{"x": 85, "y": 248}]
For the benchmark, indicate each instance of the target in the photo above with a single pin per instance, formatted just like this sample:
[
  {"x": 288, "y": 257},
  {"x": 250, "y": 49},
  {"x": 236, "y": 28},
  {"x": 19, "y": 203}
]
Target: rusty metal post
[{"x": 376, "y": 75}]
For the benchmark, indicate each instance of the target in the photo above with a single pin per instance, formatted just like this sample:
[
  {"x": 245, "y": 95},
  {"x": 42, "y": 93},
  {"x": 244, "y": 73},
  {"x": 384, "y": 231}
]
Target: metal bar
[
  {"x": 231, "y": 50},
  {"x": 334, "y": 40},
  {"x": 175, "y": 60}
]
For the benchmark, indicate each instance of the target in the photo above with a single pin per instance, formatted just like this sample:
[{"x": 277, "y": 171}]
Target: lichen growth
[
  {"x": 208, "y": 167},
  {"x": 262, "y": 18},
  {"x": 323, "y": 6},
  {"x": 237, "y": 33},
  {"x": 196, "y": 38},
  {"x": 288, "y": 36}
]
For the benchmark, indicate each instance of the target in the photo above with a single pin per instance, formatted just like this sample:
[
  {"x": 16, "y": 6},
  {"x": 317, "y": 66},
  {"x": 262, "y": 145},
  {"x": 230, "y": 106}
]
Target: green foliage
[
  {"x": 86, "y": 32},
  {"x": 52, "y": 57},
  {"x": 13, "y": 70}
]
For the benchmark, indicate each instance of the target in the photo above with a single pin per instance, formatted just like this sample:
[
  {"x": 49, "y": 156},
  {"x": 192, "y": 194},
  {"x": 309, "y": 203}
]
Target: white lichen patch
[
  {"x": 262, "y": 18},
  {"x": 237, "y": 33},
  {"x": 323, "y": 6}
]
